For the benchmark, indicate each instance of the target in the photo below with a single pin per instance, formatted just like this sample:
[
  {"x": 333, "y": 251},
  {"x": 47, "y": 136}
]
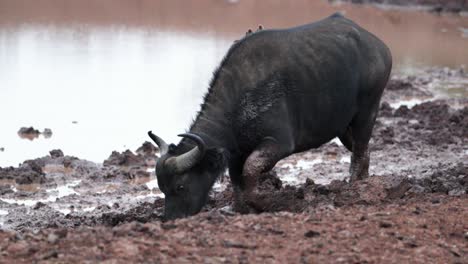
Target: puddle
[
  {"x": 408, "y": 103},
  {"x": 290, "y": 175},
  {"x": 346, "y": 159},
  {"x": 56, "y": 193}
]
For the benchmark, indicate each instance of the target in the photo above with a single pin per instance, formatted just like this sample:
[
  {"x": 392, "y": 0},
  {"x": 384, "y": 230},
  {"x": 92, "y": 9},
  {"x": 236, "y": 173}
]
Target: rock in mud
[
  {"x": 27, "y": 173},
  {"x": 28, "y": 133},
  {"x": 47, "y": 133},
  {"x": 56, "y": 153},
  {"x": 147, "y": 149},
  {"x": 452, "y": 181},
  {"x": 126, "y": 158},
  {"x": 5, "y": 189}
]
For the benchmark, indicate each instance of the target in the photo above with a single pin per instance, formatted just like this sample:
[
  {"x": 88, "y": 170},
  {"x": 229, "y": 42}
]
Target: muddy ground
[
  {"x": 413, "y": 208},
  {"x": 436, "y": 6}
]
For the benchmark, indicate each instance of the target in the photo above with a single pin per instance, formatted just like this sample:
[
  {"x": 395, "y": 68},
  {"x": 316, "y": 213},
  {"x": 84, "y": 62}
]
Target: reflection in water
[
  {"x": 145, "y": 65},
  {"x": 119, "y": 83},
  {"x": 31, "y": 133}
]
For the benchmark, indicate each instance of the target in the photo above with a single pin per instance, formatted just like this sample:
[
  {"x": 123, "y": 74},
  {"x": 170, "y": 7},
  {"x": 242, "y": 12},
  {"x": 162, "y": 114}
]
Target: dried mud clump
[
  {"x": 433, "y": 123},
  {"x": 126, "y": 158},
  {"x": 385, "y": 110},
  {"x": 143, "y": 213},
  {"x": 29, "y": 172},
  {"x": 147, "y": 149},
  {"x": 56, "y": 153},
  {"x": 436, "y": 123},
  {"x": 452, "y": 181},
  {"x": 145, "y": 156}
]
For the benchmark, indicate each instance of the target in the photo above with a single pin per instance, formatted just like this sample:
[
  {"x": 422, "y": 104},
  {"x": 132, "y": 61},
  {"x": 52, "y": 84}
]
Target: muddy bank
[
  {"x": 437, "y": 6},
  {"x": 66, "y": 209},
  {"x": 416, "y": 230}
]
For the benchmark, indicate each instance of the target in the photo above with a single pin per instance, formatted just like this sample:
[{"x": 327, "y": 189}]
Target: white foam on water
[{"x": 3, "y": 212}]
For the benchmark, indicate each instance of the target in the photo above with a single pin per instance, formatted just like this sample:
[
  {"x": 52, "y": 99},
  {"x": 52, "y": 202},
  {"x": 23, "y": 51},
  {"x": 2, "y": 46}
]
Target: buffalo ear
[{"x": 216, "y": 159}]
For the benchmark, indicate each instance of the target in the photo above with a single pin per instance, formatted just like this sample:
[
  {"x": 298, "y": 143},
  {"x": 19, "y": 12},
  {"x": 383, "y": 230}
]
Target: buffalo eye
[{"x": 180, "y": 188}]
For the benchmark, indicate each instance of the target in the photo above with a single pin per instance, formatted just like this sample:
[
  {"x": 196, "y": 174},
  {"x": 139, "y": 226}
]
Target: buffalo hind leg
[
  {"x": 361, "y": 128},
  {"x": 261, "y": 160}
]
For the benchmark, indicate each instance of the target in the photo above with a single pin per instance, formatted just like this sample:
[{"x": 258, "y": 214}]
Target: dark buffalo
[{"x": 277, "y": 92}]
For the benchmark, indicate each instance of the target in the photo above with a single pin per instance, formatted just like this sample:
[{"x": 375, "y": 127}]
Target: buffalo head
[{"x": 186, "y": 177}]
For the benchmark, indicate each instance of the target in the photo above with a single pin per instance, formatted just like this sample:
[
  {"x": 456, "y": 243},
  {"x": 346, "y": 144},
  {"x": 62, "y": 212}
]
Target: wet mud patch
[{"x": 435, "y": 6}]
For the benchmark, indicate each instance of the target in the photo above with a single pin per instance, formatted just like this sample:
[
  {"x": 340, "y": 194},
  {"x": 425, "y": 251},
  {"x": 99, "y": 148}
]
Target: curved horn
[
  {"x": 163, "y": 147},
  {"x": 192, "y": 157}
]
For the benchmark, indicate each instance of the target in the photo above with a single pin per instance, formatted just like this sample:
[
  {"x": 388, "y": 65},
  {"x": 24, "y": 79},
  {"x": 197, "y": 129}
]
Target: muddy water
[{"x": 102, "y": 73}]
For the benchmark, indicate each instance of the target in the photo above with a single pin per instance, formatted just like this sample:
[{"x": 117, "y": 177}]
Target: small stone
[
  {"x": 411, "y": 244},
  {"x": 457, "y": 192},
  {"x": 50, "y": 254},
  {"x": 52, "y": 238},
  {"x": 39, "y": 205},
  {"x": 47, "y": 133},
  {"x": 385, "y": 224},
  {"x": 311, "y": 233},
  {"x": 56, "y": 153}
]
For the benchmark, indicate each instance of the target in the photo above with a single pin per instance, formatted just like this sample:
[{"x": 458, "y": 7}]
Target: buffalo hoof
[
  {"x": 358, "y": 177},
  {"x": 252, "y": 203}
]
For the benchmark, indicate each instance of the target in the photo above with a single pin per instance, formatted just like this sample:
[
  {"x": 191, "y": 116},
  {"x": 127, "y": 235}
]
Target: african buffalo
[{"x": 275, "y": 93}]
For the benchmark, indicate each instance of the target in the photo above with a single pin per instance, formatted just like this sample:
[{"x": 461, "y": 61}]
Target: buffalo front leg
[{"x": 261, "y": 160}]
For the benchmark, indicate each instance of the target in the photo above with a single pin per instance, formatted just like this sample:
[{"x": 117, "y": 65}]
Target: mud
[
  {"x": 60, "y": 208},
  {"x": 436, "y": 6}
]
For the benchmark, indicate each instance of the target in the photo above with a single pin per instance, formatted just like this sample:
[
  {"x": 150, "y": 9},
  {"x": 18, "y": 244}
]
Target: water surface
[{"x": 102, "y": 73}]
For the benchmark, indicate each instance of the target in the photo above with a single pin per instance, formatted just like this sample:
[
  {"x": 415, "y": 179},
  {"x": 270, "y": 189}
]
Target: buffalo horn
[
  {"x": 190, "y": 158},
  {"x": 163, "y": 147}
]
